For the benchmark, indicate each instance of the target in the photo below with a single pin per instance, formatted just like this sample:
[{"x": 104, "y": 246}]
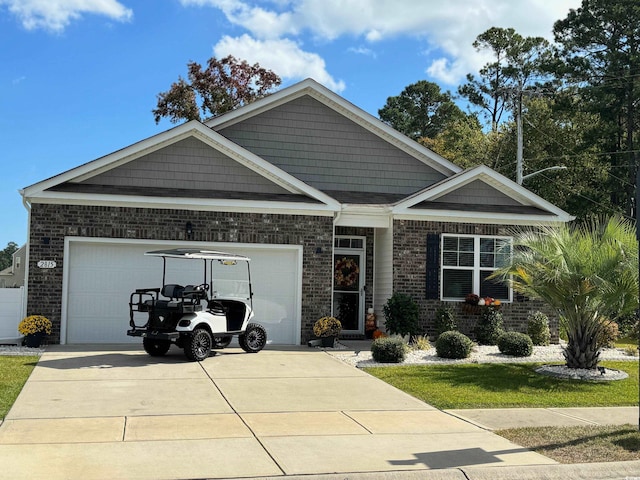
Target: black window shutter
[{"x": 433, "y": 266}]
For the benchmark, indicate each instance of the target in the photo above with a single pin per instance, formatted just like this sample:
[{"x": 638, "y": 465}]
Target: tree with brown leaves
[{"x": 223, "y": 86}]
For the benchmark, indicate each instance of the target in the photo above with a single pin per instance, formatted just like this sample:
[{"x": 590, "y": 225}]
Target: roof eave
[
  {"x": 460, "y": 216},
  {"x": 201, "y": 204}
]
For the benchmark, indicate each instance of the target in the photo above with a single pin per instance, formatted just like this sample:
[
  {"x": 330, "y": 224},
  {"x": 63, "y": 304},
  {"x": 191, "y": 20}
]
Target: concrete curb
[{"x": 582, "y": 471}]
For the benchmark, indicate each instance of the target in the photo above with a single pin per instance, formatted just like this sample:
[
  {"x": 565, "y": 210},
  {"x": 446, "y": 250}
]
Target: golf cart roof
[{"x": 197, "y": 253}]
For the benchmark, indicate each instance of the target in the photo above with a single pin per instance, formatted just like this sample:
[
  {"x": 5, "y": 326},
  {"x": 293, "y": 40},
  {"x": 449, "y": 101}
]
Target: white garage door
[{"x": 100, "y": 277}]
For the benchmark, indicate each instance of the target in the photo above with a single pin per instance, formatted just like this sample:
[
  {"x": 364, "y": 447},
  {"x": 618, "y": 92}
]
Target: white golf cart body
[{"x": 201, "y": 316}]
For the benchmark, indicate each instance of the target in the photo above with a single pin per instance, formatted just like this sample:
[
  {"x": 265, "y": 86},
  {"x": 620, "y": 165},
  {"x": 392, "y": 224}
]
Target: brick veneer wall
[
  {"x": 409, "y": 258},
  {"x": 50, "y": 224}
]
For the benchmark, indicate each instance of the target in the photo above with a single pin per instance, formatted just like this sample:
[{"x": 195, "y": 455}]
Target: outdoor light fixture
[{"x": 189, "y": 229}]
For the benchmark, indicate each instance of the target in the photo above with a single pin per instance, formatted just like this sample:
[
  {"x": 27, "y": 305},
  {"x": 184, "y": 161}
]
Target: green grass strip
[
  {"x": 14, "y": 372},
  {"x": 491, "y": 385}
]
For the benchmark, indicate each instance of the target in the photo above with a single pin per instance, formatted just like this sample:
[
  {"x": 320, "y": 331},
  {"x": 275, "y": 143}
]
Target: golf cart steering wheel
[{"x": 203, "y": 287}]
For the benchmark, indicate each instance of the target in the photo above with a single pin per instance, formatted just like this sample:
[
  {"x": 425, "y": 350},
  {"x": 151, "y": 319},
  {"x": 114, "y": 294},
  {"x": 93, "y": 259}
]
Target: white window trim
[{"x": 476, "y": 265}]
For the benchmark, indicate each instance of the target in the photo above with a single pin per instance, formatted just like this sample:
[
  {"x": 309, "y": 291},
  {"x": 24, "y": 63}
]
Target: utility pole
[
  {"x": 637, "y": 205},
  {"x": 519, "y": 131}
]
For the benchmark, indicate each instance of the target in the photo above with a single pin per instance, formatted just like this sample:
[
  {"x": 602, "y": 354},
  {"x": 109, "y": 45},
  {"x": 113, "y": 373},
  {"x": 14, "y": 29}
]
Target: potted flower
[
  {"x": 327, "y": 329},
  {"x": 472, "y": 299},
  {"x": 34, "y": 328}
]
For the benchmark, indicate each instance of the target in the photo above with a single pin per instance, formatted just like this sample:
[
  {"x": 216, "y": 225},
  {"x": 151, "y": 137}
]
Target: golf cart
[{"x": 198, "y": 317}]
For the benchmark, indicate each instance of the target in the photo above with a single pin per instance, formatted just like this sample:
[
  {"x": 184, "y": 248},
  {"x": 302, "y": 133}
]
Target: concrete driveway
[{"x": 98, "y": 412}]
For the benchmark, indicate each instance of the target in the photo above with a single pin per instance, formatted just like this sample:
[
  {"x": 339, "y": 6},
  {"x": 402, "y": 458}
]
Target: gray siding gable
[
  {"x": 187, "y": 164},
  {"x": 328, "y": 151},
  {"x": 477, "y": 192}
]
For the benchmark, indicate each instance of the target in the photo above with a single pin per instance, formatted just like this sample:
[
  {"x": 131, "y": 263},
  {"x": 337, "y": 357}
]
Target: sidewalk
[{"x": 503, "y": 418}]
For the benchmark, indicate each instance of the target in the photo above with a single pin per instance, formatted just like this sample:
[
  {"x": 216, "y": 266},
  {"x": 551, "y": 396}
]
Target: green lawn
[
  {"x": 14, "y": 372},
  {"x": 491, "y": 385},
  {"x": 627, "y": 342}
]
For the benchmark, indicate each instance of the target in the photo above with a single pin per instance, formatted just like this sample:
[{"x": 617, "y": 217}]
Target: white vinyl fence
[{"x": 12, "y": 309}]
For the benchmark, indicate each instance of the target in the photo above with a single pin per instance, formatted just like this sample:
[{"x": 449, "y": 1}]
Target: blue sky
[{"x": 79, "y": 78}]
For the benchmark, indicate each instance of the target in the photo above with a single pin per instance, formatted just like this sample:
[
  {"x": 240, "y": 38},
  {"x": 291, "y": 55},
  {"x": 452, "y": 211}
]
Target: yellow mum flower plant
[
  {"x": 327, "y": 327},
  {"x": 35, "y": 324}
]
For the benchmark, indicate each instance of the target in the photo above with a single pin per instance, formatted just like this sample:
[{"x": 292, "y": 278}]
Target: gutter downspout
[
  {"x": 336, "y": 219},
  {"x": 27, "y": 206}
]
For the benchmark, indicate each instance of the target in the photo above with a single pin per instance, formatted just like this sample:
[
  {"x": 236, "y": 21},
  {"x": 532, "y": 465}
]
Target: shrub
[
  {"x": 538, "y": 328},
  {"x": 453, "y": 344},
  {"x": 515, "y": 344},
  {"x": 489, "y": 328},
  {"x": 389, "y": 350},
  {"x": 608, "y": 334},
  {"x": 401, "y": 315},
  {"x": 628, "y": 325},
  {"x": 445, "y": 320}
]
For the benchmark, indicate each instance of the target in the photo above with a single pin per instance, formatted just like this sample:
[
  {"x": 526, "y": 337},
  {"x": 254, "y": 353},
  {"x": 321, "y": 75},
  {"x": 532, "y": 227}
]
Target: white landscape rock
[{"x": 479, "y": 354}]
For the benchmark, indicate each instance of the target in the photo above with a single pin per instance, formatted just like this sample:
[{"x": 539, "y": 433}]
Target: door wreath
[{"x": 346, "y": 272}]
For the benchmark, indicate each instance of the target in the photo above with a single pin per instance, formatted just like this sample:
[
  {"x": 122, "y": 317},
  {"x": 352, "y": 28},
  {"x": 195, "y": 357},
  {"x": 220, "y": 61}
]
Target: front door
[{"x": 348, "y": 283}]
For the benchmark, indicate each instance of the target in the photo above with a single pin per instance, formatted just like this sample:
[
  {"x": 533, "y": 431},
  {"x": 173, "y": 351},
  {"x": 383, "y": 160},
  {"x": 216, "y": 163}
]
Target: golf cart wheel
[
  {"x": 222, "y": 342},
  {"x": 253, "y": 339},
  {"x": 198, "y": 347},
  {"x": 156, "y": 348}
]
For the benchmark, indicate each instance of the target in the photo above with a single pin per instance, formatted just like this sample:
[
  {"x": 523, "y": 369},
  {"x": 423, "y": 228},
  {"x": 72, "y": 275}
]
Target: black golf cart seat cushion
[
  {"x": 194, "y": 293},
  {"x": 172, "y": 291},
  {"x": 216, "y": 307}
]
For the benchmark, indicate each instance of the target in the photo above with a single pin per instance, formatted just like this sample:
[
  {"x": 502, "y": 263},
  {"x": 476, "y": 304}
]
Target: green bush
[
  {"x": 389, "y": 350},
  {"x": 445, "y": 320},
  {"x": 402, "y": 315},
  {"x": 453, "y": 344},
  {"x": 538, "y": 328},
  {"x": 489, "y": 328},
  {"x": 628, "y": 325},
  {"x": 515, "y": 344},
  {"x": 608, "y": 334}
]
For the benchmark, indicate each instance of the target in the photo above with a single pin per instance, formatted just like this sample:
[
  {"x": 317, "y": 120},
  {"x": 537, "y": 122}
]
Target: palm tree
[{"x": 587, "y": 272}]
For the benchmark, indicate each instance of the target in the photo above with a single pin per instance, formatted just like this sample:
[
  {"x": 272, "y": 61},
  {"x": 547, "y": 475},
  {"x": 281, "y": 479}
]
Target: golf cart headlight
[{"x": 184, "y": 323}]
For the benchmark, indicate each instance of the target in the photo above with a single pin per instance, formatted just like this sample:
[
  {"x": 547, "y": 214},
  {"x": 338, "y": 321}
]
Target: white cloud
[
  {"x": 448, "y": 29},
  {"x": 55, "y": 15},
  {"x": 446, "y": 71},
  {"x": 362, "y": 51},
  {"x": 283, "y": 56}
]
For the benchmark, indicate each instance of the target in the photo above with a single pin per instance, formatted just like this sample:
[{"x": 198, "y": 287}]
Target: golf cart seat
[
  {"x": 172, "y": 291},
  {"x": 216, "y": 307},
  {"x": 195, "y": 293}
]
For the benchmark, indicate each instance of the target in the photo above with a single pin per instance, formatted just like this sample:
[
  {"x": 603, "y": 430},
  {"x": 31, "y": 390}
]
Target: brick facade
[
  {"x": 410, "y": 246},
  {"x": 50, "y": 224}
]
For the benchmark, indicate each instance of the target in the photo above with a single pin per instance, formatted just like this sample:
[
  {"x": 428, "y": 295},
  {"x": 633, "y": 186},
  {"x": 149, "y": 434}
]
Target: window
[{"x": 467, "y": 261}]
